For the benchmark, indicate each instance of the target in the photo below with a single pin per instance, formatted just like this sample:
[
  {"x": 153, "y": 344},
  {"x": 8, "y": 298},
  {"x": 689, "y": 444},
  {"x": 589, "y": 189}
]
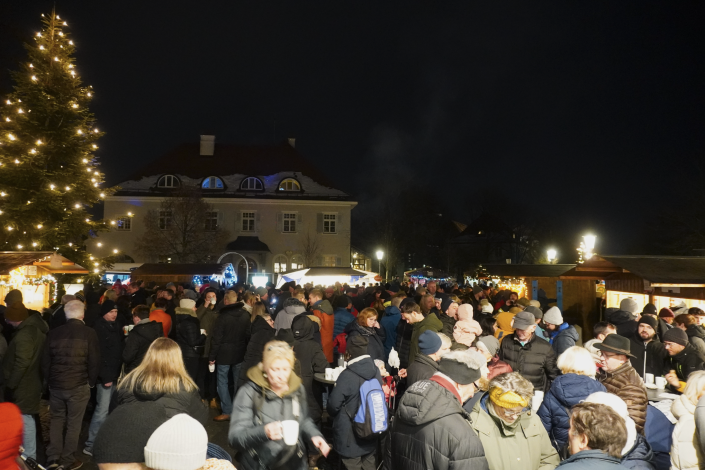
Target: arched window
[
  {"x": 297, "y": 262},
  {"x": 280, "y": 264},
  {"x": 251, "y": 184},
  {"x": 212, "y": 182},
  {"x": 168, "y": 181},
  {"x": 289, "y": 184}
]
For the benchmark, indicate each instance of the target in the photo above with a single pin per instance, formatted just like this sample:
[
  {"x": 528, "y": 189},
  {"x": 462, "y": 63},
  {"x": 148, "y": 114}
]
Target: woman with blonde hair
[
  {"x": 161, "y": 377},
  {"x": 264, "y": 409},
  {"x": 367, "y": 325},
  {"x": 685, "y": 454}
]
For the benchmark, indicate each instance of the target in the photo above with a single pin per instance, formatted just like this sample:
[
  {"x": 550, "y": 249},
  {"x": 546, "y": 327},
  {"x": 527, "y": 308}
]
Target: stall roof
[
  {"x": 527, "y": 270},
  {"x": 191, "y": 269},
  {"x": 10, "y": 260},
  {"x": 659, "y": 270},
  {"x": 328, "y": 271}
]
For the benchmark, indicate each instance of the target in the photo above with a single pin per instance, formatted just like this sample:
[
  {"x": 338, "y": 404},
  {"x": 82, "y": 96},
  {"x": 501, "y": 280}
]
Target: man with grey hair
[
  {"x": 71, "y": 363},
  {"x": 58, "y": 316}
]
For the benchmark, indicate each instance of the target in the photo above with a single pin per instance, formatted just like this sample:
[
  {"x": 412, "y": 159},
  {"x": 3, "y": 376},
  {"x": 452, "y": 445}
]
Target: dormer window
[
  {"x": 168, "y": 181},
  {"x": 251, "y": 184},
  {"x": 212, "y": 182},
  {"x": 289, "y": 184}
]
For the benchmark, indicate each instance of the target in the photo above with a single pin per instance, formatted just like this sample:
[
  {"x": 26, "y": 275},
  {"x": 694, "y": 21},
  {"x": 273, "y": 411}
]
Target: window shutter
[
  {"x": 319, "y": 223},
  {"x": 238, "y": 221},
  {"x": 338, "y": 222},
  {"x": 257, "y": 220},
  {"x": 280, "y": 222},
  {"x": 338, "y": 261},
  {"x": 299, "y": 222},
  {"x": 220, "y": 218}
]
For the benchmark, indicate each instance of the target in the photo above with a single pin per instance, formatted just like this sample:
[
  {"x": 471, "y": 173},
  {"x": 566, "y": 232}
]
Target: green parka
[{"x": 431, "y": 322}]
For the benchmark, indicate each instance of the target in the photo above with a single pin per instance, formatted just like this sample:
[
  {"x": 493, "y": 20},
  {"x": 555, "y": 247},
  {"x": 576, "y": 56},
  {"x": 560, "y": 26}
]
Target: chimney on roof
[
  {"x": 292, "y": 142},
  {"x": 207, "y": 144}
]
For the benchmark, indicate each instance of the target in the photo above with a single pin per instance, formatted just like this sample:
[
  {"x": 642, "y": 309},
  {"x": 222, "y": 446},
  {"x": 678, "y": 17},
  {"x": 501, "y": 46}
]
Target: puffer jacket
[
  {"x": 262, "y": 333},
  {"x": 256, "y": 405},
  {"x": 627, "y": 385},
  {"x": 22, "y": 364},
  {"x": 658, "y": 432},
  {"x": 342, "y": 319},
  {"x": 527, "y": 448},
  {"x": 138, "y": 342},
  {"x": 497, "y": 367},
  {"x": 648, "y": 357},
  {"x": 188, "y": 333},
  {"x": 696, "y": 337},
  {"x": 71, "y": 356},
  {"x": 422, "y": 368},
  {"x": 431, "y": 430},
  {"x": 431, "y": 322},
  {"x": 624, "y": 322},
  {"x": 309, "y": 361},
  {"x": 566, "y": 337},
  {"x": 403, "y": 343},
  {"x": 535, "y": 361},
  {"x": 324, "y": 311},
  {"x": 291, "y": 307},
  {"x": 567, "y": 390},
  {"x": 111, "y": 340},
  {"x": 375, "y": 336},
  {"x": 640, "y": 456},
  {"x": 591, "y": 460},
  {"x": 390, "y": 322},
  {"x": 231, "y": 332},
  {"x": 344, "y": 401},
  {"x": 173, "y": 404},
  {"x": 685, "y": 455}
]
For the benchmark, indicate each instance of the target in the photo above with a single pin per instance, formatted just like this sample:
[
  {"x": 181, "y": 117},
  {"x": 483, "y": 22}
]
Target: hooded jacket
[
  {"x": 535, "y": 360},
  {"x": 375, "y": 336},
  {"x": 291, "y": 307},
  {"x": 188, "y": 333},
  {"x": 627, "y": 385},
  {"x": 230, "y": 334},
  {"x": 431, "y": 322},
  {"x": 591, "y": 460},
  {"x": 111, "y": 341},
  {"x": 173, "y": 404},
  {"x": 640, "y": 456},
  {"x": 309, "y": 360},
  {"x": 696, "y": 337},
  {"x": 138, "y": 342},
  {"x": 71, "y": 356},
  {"x": 648, "y": 357},
  {"x": 22, "y": 364},
  {"x": 567, "y": 390},
  {"x": 262, "y": 333},
  {"x": 624, "y": 322},
  {"x": 432, "y": 431},
  {"x": 422, "y": 368},
  {"x": 324, "y": 311},
  {"x": 685, "y": 455},
  {"x": 389, "y": 322},
  {"x": 256, "y": 405},
  {"x": 344, "y": 401},
  {"x": 342, "y": 319},
  {"x": 566, "y": 337}
]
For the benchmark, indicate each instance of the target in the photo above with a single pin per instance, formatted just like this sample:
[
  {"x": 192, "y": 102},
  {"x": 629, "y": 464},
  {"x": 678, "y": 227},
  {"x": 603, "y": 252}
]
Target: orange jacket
[
  {"x": 324, "y": 311},
  {"x": 162, "y": 317}
]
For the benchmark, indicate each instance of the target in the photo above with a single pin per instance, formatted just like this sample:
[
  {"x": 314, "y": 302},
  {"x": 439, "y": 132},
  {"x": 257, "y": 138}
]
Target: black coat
[
  {"x": 624, "y": 322},
  {"x": 110, "y": 337},
  {"x": 648, "y": 358},
  {"x": 138, "y": 298},
  {"x": 188, "y": 336},
  {"x": 403, "y": 345},
  {"x": 230, "y": 335},
  {"x": 262, "y": 333},
  {"x": 375, "y": 336},
  {"x": 535, "y": 361},
  {"x": 138, "y": 342},
  {"x": 71, "y": 356},
  {"x": 344, "y": 401},
  {"x": 432, "y": 430},
  {"x": 173, "y": 404},
  {"x": 685, "y": 362},
  {"x": 422, "y": 368},
  {"x": 309, "y": 360}
]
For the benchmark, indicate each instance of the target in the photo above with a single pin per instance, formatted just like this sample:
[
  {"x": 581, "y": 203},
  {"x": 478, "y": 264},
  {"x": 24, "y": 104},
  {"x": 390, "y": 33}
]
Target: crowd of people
[{"x": 428, "y": 377}]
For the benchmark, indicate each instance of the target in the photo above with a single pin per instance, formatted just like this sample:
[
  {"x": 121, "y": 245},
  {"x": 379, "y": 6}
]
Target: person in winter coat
[
  {"x": 404, "y": 331},
  {"x": 344, "y": 402},
  {"x": 431, "y": 429},
  {"x": 366, "y": 325},
  {"x": 231, "y": 332},
  {"x": 207, "y": 380},
  {"x": 695, "y": 332},
  {"x": 464, "y": 334},
  {"x": 159, "y": 314},
  {"x": 700, "y": 423},
  {"x": 262, "y": 333},
  {"x": 448, "y": 315},
  {"x": 512, "y": 436},
  {"x": 162, "y": 378},
  {"x": 419, "y": 325},
  {"x": 310, "y": 360},
  {"x": 273, "y": 394},
  {"x": 71, "y": 363},
  {"x": 110, "y": 339},
  {"x": 561, "y": 335},
  {"x": 685, "y": 454},
  {"x": 189, "y": 336},
  {"x": 324, "y": 311},
  {"x": 658, "y": 432},
  {"x": 390, "y": 322},
  {"x": 683, "y": 359},
  {"x": 529, "y": 355},
  {"x": 625, "y": 319},
  {"x": 342, "y": 305},
  {"x": 140, "y": 337},
  {"x": 432, "y": 346},
  {"x": 488, "y": 346},
  {"x": 620, "y": 378},
  {"x": 662, "y": 326},
  {"x": 597, "y": 436},
  {"x": 648, "y": 353},
  {"x": 291, "y": 308},
  {"x": 11, "y": 438},
  {"x": 21, "y": 367},
  {"x": 573, "y": 386}
]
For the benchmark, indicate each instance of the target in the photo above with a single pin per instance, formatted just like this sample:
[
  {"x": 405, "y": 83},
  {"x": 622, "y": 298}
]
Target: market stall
[
  {"x": 161, "y": 273},
  {"x": 426, "y": 274},
  {"x": 324, "y": 276}
]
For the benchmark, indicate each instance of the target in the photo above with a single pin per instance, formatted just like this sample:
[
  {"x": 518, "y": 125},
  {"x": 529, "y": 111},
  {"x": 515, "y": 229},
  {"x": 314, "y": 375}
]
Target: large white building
[{"x": 269, "y": 198}]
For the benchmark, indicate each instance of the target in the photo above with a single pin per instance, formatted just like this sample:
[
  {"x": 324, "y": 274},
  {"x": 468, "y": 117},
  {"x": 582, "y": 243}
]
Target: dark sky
[{"x": 589, "y": 112}]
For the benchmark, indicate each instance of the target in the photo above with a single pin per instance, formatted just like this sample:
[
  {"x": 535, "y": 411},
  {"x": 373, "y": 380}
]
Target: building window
[
  {"x": 248, "y": 221},
  {"x": 251, "y": 184},
  {"x": 297, "y": 262},
  {"x": 329, "y": 260},
  {"x": 289, "y": 184},
  {"x": 280, "y": 264},
  {"x": 329, "y": 223},
  {"x": 289, "y": 225},
  {"x": 164, "y": 220},
  {"x": 211, "y": 221},
  {"x": 168, "y": 181},
  {"x": 212, "y": 182},
  {"x": 124, "y": 224}
]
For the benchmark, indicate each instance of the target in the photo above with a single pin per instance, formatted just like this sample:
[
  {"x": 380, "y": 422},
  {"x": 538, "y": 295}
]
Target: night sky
[{"x": 590, "y": 113}]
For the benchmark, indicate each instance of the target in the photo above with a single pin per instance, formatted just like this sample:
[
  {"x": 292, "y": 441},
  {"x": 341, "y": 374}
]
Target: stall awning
[
  {"x": 527, "y": 270},
  {"x": 323, "y": 275},
  {"x": 660, "y": 271},
  {"x": 10, "y": 260}
]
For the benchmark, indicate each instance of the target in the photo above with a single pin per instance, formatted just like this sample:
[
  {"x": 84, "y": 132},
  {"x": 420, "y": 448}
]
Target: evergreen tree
[{"x": 49, "y": 176}]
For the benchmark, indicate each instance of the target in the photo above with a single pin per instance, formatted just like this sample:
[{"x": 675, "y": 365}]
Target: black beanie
[
  {"x": 650, "y": 309},
  {"x": 357, "y": 346},
  {"x": 106, "y": 306},
  {"x": 649, "y": 320},
  {"x": 676, "y": 335},
  {"x": 445, "y": 303}
]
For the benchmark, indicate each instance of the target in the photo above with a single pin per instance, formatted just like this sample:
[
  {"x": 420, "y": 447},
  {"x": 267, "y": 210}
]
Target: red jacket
[
  {"x": 324, "y": 311},
  {"x": 497, "y": 367},
  {"x": 11, "y": 435}
]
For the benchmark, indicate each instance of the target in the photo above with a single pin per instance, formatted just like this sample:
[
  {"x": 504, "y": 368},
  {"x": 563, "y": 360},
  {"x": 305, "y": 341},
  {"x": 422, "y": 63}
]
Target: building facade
[{"x": 275, "y": 206}]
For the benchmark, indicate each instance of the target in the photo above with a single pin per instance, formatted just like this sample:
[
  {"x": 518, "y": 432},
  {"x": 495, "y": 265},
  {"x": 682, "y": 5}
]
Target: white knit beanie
[
  {"x": 179, "y": 444},
  {"x": 187, "y": 303},
  {"x": 553, "y": 316}
]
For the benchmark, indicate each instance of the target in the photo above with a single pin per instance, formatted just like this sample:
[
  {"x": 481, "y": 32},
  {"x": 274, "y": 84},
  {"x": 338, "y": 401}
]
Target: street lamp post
[{"x": 380, "y": 255}]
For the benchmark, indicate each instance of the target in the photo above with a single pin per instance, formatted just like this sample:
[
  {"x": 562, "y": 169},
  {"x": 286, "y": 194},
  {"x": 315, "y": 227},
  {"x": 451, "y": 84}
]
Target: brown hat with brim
[{"x": 615, "y": 344}]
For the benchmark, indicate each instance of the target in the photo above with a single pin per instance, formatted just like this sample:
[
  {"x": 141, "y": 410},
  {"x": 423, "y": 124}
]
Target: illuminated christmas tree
[{"x": 49, "y": 176}]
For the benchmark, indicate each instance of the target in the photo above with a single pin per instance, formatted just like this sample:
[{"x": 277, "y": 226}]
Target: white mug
[
  {"x": 660, "y": 383},
  {"x": 203, "y": 332},
  {"x": 329, "y": 373},
  {"x": 211, "y": 367},
  {"x": 290, "y": 432},
  {"x": 649, "y": 378}
]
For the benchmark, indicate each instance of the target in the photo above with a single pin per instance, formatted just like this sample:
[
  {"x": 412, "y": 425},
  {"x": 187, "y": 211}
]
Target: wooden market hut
[{"x": 162, "y": 273}]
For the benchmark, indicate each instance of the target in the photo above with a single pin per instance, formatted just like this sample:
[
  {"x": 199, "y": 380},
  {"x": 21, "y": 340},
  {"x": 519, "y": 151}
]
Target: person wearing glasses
[{"x": 513, "y": 437}]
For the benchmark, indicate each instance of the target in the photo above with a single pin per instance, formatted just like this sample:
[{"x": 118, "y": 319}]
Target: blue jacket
[
  {"x": 640, "y": 456},
  {"x": 389, "y": 322},
  {"x": 567, "y": 390},
  {"x": 564, "y": 338},
  {"x": 342, "y": 319},
  {"x": 591, "y": 460},
  {"x": 659, "y": 434}
]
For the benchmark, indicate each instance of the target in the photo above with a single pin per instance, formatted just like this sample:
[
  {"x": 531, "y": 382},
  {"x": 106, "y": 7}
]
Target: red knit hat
[
  {"x": 666, "y": 313},
  {"x": 11, "y": 436}
]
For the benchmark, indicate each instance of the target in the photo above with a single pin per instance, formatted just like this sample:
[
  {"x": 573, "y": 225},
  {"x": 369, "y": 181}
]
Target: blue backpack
[{"x": 371, "y": 418}]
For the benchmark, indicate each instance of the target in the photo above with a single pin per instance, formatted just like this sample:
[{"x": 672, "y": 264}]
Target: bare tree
[
  {"x": 185, "y": 228},
  {"x": 310, "y": 248}
]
